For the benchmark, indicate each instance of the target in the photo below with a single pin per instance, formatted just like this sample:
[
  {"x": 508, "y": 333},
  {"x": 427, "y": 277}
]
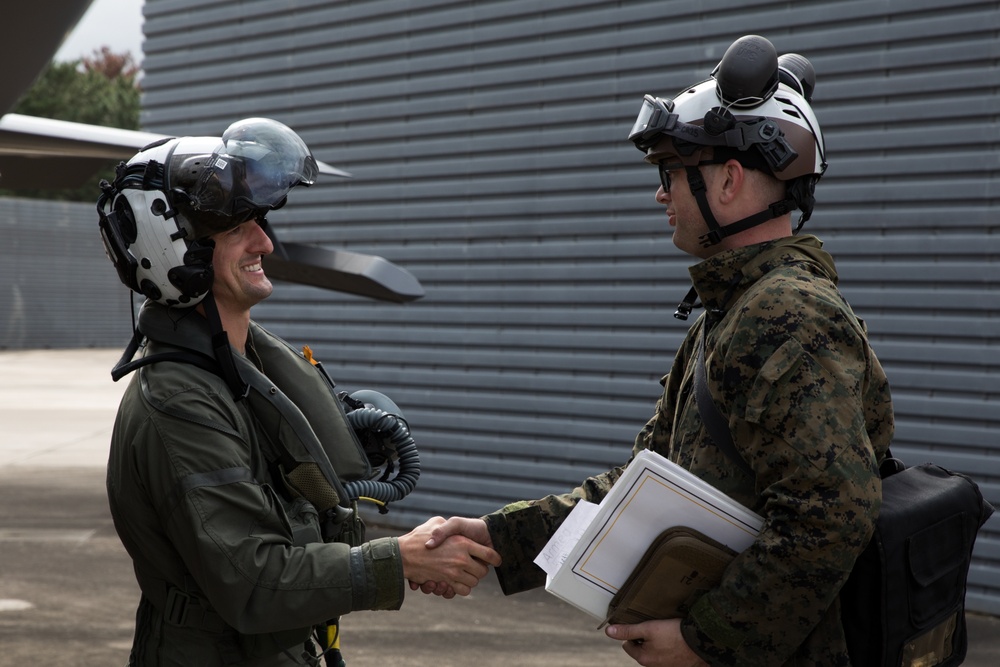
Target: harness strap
[
  {"x": 715, "y": 423},
  {"x": 180, "y": 608}
]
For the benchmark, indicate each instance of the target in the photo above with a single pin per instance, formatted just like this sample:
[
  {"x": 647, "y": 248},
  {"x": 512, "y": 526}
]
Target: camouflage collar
[{"x": 724, "y": 276}]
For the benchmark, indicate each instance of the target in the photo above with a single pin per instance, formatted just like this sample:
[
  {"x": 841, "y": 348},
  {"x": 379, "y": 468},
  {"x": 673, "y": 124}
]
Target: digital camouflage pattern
[{"x": 809, "y": 409}]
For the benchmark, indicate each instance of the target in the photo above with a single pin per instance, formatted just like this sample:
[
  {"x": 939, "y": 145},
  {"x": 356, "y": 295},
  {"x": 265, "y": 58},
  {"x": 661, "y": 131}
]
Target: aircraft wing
[{"x": 41, "y": 152}]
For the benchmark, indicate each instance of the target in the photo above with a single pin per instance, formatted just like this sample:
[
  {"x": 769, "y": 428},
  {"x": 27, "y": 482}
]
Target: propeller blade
[{"x": 341, "y": 270}]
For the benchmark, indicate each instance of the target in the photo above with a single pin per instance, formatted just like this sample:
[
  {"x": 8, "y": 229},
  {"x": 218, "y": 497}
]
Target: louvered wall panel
[
  {"x": 487, "y": 142},
  {"x": 57, "y": 288}
]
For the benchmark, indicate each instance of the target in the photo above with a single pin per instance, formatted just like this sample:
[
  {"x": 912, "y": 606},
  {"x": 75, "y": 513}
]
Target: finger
[
  {"x": 461, "y": 588},
  {"x": 465, "y": 580},
  {"x": 485, "y": 555},
  {"x": 477, "y": 570},
  {"x": 440, "y": 588},
  {"x": 633, "y": 648},
  {"x": 624, "y": 632},
  {"x": 442, "y": 531}
]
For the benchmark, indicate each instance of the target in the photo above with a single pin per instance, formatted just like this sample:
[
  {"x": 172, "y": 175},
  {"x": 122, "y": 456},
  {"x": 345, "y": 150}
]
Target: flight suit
[{"x": 231, "y": 559}]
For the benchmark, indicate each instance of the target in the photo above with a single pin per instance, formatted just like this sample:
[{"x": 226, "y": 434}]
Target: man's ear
[{"x": 732, "y": 179}]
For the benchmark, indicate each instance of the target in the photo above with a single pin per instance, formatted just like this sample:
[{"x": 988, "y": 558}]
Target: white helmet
[
  {"x": 755, "y": 108},
  {"x": 167, "y": 200}
]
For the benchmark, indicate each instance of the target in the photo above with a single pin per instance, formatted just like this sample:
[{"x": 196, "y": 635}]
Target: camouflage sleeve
[
  {"x": 800, "y": 421},
  {"x": 520, "y": 530}
]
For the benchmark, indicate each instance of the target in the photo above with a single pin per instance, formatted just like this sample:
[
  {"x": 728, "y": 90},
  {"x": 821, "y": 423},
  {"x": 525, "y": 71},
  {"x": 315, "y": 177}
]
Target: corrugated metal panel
[
  {"x": 487, "y": 143},
  {"x": 57, "y": 287}
]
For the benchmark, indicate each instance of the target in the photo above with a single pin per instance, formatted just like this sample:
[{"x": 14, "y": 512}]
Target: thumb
[
  {"x": 440, "y": 534},
  {"x": 623, "y": 632}
]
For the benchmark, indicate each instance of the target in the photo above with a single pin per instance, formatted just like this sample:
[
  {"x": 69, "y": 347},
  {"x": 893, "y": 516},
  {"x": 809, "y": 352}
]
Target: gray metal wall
[
  {"x": 57, "y": 288},
  {"x": 487, "y": 140}
]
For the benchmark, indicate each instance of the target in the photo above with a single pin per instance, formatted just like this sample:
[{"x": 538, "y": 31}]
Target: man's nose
[
  {"x": 662, "y": 196},
  {"x": 261, "y": 241}
]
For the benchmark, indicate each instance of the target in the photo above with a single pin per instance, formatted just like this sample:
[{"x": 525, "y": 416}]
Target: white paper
[
  {"x": 566, "y": 536},
  {"x": 652, "y": 495}
]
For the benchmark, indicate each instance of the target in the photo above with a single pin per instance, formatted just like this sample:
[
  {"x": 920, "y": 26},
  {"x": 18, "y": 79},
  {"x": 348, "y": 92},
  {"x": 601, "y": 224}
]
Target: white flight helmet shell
[
  {"x": 755, "y": 108},
  {"x": 170, "y": 197}
]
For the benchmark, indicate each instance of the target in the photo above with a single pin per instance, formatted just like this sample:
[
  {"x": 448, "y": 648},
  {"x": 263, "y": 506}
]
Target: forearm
[{"x": 520, "y": 530}]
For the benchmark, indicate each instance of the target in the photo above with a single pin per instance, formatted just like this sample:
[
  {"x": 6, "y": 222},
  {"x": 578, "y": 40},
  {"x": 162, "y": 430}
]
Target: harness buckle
[
  {"x": 177, "y": 605},
  {"x": 711, "y": 238},
  {"x": 188, "y": 611}
]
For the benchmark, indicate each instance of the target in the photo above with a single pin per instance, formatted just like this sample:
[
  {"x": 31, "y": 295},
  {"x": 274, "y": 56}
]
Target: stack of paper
[{"x": 596, "y": 548}]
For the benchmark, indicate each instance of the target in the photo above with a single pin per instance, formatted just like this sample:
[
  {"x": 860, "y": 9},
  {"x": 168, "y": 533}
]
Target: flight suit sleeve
[{"x": 257, "y": 558}]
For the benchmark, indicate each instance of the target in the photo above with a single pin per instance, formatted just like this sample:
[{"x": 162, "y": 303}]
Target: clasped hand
[
  {"x": 454, "y": 565},
  {"x": 650, "y": 644}
]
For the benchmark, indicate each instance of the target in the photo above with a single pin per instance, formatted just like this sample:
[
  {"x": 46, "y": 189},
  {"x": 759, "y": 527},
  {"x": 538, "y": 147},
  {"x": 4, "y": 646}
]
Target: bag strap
[{"x": 715, "y": 423}]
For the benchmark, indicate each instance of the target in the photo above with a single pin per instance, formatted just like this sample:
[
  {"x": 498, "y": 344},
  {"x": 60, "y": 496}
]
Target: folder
[{"x": 654, "y": 504}]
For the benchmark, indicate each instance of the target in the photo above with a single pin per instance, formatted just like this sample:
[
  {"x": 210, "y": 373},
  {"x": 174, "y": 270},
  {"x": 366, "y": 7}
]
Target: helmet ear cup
[
  {"x": 118, "y": 231},
  {"x": 194, "y": 278},
  {"x": 126, "y": 220},
  {"x": 747, "y": 75}
]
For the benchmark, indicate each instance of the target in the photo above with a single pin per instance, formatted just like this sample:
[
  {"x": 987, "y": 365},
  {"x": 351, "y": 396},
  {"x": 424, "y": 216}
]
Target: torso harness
[{"x": 320, "y": 438}]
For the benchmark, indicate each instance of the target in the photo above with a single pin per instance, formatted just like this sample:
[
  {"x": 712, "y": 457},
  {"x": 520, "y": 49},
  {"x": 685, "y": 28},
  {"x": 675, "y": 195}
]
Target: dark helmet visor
[{"x": 248, "y": 172}]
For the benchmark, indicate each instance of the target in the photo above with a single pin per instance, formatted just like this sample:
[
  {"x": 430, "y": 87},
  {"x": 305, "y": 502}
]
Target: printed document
[{"x": 596, "y": 548}]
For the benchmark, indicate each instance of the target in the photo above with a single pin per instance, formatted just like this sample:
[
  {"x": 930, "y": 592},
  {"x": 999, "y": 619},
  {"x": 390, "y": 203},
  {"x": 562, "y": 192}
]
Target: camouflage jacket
[{"x": 809, "y": 409}]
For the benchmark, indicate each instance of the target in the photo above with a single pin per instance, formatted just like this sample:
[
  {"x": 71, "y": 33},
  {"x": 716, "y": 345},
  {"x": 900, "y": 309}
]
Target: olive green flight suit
[{"x": 232, "y": 565}]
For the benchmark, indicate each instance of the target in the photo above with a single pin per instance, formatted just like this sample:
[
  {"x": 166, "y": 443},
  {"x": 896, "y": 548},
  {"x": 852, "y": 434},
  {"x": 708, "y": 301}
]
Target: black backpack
[{"x": 904, "y": 602}]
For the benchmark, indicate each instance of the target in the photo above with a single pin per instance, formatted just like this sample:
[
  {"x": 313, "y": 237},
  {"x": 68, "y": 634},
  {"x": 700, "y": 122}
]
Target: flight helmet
[{"x": 164, "y": 204}]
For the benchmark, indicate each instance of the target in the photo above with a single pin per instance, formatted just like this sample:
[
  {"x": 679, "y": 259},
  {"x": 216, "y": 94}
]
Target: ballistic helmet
[
  {"x": 754, "y": 108},
  {"x": 164, "y": 204}
]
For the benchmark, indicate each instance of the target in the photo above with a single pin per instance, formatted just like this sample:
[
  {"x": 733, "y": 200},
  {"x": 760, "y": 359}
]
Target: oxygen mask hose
[{"x": 380, "y": 419}]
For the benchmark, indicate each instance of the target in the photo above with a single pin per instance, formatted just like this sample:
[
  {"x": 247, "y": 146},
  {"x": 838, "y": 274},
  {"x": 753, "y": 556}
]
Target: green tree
[{"x": 99, "y": 90}]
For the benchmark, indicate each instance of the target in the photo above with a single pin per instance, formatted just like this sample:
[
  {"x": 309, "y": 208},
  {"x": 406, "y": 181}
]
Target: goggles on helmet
[
  {"x": 657, "y": 121},
  {"x": 249, "y": 171}
]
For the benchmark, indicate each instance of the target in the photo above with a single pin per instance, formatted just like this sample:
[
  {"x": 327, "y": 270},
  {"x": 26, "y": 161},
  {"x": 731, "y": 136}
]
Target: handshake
[{"x": 447, "y": 558}]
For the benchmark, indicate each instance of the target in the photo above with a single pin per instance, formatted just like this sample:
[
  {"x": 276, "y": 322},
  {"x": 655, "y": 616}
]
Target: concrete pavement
[{"x": 67, "y": 594}]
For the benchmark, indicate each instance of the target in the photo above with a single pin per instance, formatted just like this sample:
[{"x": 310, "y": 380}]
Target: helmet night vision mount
[{"x": 755, "y": 109}]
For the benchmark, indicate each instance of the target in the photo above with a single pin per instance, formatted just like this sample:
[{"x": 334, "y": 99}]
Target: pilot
[{"x": 232, "y": 459}]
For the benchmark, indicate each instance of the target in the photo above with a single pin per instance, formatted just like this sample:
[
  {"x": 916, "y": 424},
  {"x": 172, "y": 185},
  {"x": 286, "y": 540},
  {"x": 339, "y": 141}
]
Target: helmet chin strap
[
  {"x": 717, "y": 232},
  {"x": 223, "y": 350}
]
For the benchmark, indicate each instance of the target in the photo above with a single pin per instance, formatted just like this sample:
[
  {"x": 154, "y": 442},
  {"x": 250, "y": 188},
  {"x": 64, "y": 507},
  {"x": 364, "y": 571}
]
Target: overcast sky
[{"x": 113, "y": 23}]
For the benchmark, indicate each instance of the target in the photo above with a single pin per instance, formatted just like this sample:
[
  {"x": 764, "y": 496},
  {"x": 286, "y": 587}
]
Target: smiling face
[{"x": 240, "y": 282}]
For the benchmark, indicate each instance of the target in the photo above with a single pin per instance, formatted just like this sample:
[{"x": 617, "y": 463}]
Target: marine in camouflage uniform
[
  {"x": 788, "y": 365},
  {"x": 809, "y": 409}
]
